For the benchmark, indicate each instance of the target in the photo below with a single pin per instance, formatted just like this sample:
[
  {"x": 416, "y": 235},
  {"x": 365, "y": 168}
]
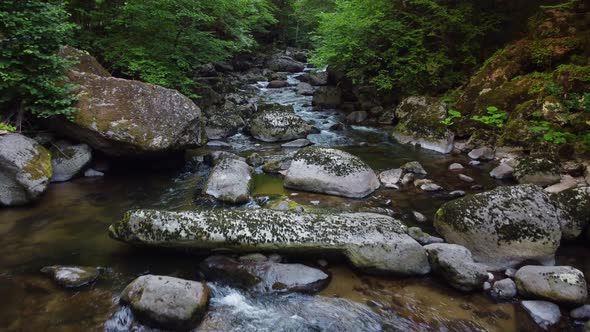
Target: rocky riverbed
[{"x": 260, "y": 231}]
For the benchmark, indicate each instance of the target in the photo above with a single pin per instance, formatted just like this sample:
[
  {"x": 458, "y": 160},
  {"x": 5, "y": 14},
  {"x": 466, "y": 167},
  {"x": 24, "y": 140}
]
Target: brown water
[{"x": 68, "y": 226}]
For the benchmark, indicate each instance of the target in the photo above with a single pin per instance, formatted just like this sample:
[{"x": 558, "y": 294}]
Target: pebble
[
  {"x": 510, "y": 273},
  {"x": 315, "y": 203},
  {"x": 92, "y": 173},
  {"x": 419, "y": 217},
  {"x": 504, "y": 290},
  {"x": 457, "y": 194},
  {"x": 487, "y": 286},
  {"x": 455, "y": 167},
  {"x": 465, "y": 178},
  {"x": 474, "y": 163}
]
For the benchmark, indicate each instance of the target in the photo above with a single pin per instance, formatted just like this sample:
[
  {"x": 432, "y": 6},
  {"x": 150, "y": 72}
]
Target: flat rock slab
[
  {"x": 563, "y": 284},
  {"x": 264, "y": 276},
  {"x": 72, "y": 276},
  {"x": 167, "y": 302},
  {"x": 372, "y": 242}
]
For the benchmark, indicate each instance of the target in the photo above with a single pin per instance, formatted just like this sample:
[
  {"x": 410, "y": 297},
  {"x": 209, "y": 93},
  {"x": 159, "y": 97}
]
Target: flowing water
[{"x": 68, "y": 227}]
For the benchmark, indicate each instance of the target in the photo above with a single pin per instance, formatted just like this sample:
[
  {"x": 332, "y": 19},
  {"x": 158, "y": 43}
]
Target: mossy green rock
[
  {"x": 223, "y": 123},
  {"x": 575, "y": 203},
  {"x": 505, "y": 226},
  {"x": 420, "y": 124},
  {"x": 129, "y": 118},
  {"x": 537, "y": 170},
  {"x": 25, "y": 169},
  {"x": 278, "y": 124},
  {"x": 561, "y": 284},
  {"x": 372, "y": 242},
  {"x": 331, "y": 171},
  {"x": 167, "y": 302}
]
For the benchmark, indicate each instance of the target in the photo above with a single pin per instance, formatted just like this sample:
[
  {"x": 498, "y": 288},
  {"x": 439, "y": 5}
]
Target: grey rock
[
  {"x": 430, "y": 187},
  {"x": 223, "y": 122},
  {"x": 218, "y": 144},
  {"x": 482, "y": 154},
  {"x": 423, "y": 238},
  {"x": 504, "y": 290},
  {"x": 318, "y": 78},
  {"x": 390, "y": 178},
  {"x": 510, "y": 273},
  {"x": 229, "y": 181},
  {"x": 72, "y": 276},
  {"x": 581, "y": 313},
  {"x": 264, "y": 276},
  {"x": 330, "y": 171},
  {"x": 419, "y": 217},
  {"x": 92, "y": 173},
  {"x": 456, "y": 167},
  {"x": 25, "y": 169},
  {"x": 457, "y": 194},
  {"x": 298, "y": 143},
  {"x": 275, "y": 123},
  {"x": 502, "y": 172},
  {"x": 407, "y": 179},
  {"x": 282, "y": 63},
  {"x": 372, "y": 242},
  {"x": 455, "y": 264},
  {"x": 255, "y": 160},
  {"x": 466, "y": 178},
  {"x": 575, "y": 205},
  {"x": 545, "y": 314},
  {"x": 487, "y": 286},
  {"x": 305, "y": 89},
  {"x": 414, "y": 167},
  {"x": 503, "y": 227},
  {"x": 567, "y": 182},
  {"x": 276, "y": 84},
  {"x": 563, "y": 284},
  {"x": 167, "y": 302}
]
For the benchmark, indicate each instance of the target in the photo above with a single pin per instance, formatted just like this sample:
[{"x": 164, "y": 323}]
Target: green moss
[{"x": 39, "y": 166}]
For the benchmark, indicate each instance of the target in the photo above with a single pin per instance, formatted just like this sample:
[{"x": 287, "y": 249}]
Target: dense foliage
[
  {"x": 413, "y": 46},
  {"x": 31, "y": 33}
]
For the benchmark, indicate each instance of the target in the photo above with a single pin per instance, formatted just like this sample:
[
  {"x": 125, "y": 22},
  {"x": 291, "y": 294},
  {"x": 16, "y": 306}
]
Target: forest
[{"x": 295, "y": 165}]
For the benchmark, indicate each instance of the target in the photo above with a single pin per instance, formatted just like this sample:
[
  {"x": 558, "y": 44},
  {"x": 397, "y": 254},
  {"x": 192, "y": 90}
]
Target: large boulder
[
  {"x": 372, "y": 242},
  {"x": 455, "y": 264},
  {"x": 331, "y": 171},
  {"x": 420, "y": 124},
  {"x": 327, "y": 97},
  {"x": 25, "y": 169},
  {"x": 503, "y": 227},
  {"x": 283, "y": 63},
  {"x": 68, "y": 160},
  {"x": 562, "y": 284},
  {"x": 83, "y": 61},
  {"x": 276, "y": 123},
  {"x": 229, "y": 181},
  {"x": 129, "y": 118},
  {"x": 575, "y": 204},
  {"x": 167, "y": 302},
  {"x": 264, "y": 276}
]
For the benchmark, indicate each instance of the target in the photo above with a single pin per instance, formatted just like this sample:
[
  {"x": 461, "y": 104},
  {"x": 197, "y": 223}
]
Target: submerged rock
[
  {"x": 25, "y": 169},
  {"x": 298, "y": 143},
  {"x": 330, "y": 171},
  {"x": 372, "y": 242},
  {"x": 264, "y": 276},
  {"x": 229, "y": 181},
  {"x": 390, "y": 178},
  {"x": 277, "y": 84},
  {"x": 69, "y": 160},
  {"x": 503, "y": 227},
  {"x": 129, "y": 118},
  {"x": 420, "y": 124},
  {"x": 275, "y": 123},
  {"x": 562, "y": 284},
  {"x": 543, "y": 313},
  {"x": 455, "y": 264},
  {"x": 167, "y": 302},
  {"x": 72, "y": 276}
]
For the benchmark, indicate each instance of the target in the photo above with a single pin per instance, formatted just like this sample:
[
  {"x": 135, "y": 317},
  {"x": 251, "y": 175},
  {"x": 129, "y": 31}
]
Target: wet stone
[
  {"x": 466, "y": 178},
  {"x": 545, "y": 314},
  {"x": 482, "y": 154},
  {"x": 504, "y": 290},
  {"x": 72, "y": 276},
  {"x": 581, "y": 313},
  {"x": 414, "y": 167},
  {"x": 561, "y": 284},
  {"x": 456, "y": 167}
]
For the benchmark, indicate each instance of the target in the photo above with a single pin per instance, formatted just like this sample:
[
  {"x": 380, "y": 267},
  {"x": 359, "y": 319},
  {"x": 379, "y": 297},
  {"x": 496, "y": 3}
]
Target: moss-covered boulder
[
  {"x": 575, "y": 203},
  {"x": 69, "y": 160},
  {"x": 229, "y": 181},
  {"x": 372, "y": 242},
  {"x": 83, "y": 61},
  {"x": 327, "y": 97},
  {"x": 129, "y": 118},
  {"x": 420, "y": 124},
  {"x": 25, "y": 169},
  {"x": 562, "y": 284},
  {"x": 276, "y": 123},
  {"x": 505, "y": 226},
  {"x": 167, "y": 302},
  {"x": 537, "y": 170},
  {"x": 223, "y": 123},
  {"x": 330, "y": 171}
]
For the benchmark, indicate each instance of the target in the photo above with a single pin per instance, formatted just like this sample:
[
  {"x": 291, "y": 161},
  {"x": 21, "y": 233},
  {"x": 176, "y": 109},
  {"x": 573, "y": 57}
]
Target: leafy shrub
[
  {"x": 452, "y": 115},
  {"x": 6, "y": 127},
  {"x": 495, "y": 117}
]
